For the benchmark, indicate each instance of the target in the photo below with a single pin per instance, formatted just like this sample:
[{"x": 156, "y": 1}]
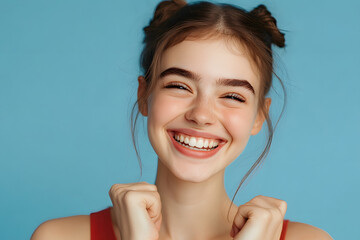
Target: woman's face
[{"x": 204, "y": 107}]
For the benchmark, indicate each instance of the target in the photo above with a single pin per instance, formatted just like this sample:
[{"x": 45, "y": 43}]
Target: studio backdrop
[{"x": 68, "y": 81}]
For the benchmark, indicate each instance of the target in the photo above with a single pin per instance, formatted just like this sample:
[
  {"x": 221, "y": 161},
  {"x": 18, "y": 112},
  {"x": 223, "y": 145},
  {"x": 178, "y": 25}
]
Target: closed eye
[
  {"x": 177, "y": 85},
  {"x": 234, "y": 96}
]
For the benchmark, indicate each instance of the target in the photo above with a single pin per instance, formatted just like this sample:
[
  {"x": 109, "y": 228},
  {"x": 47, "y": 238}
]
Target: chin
[
  {"x": 188, "y": 172},
  {"x": 193, "y": 178}
]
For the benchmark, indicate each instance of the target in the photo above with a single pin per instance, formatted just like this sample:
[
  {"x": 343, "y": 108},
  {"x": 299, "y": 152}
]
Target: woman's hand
[
  {"x": 259, "y": 219},
  {"x": 137, "y": 210}
]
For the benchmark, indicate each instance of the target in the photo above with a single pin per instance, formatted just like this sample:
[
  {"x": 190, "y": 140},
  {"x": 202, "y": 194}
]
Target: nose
[{"x": 201, "y": 113}]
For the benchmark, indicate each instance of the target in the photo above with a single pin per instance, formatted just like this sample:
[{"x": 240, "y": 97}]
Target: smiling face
[{"x": 204, "y": 107}]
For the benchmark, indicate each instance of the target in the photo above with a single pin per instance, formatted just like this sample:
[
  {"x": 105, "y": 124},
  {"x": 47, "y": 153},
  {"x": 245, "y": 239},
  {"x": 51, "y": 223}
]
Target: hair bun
[
  {"x": 263, "y": 14},
  {"x": 164, "y": 10}
]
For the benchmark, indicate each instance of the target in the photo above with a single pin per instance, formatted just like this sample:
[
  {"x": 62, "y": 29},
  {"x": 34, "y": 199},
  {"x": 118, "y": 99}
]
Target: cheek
[
  {"x": 163, "y": 108},
  {"x": 239, "y": 123}
]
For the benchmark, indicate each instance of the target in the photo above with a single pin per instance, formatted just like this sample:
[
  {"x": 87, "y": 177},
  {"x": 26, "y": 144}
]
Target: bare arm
[
  {"x": 75, "y": 227},
  {"x": 302, "y": 231}
]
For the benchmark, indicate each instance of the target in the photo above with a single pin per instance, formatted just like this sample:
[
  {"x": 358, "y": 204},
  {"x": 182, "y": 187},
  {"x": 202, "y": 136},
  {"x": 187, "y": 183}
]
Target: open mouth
[{"x": 195, "y": 143}]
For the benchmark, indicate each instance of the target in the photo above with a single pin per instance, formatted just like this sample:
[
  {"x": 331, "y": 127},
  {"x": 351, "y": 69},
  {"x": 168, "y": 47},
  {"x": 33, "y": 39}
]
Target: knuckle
[
  {"x": 157, "y": 195},
  {"x": 270, "y": 214},
  {"x": 276, "y": 215},
  {"x": 129, "y": 196},
  {"x": 283, "y": 204},
  {"x": 266, "y": 215},
  {"x": 151, "y": 187},
  {"x": 116, "y": 188},
  {"x": 257, "y": 199},
  {"x": 275, "y": 212},
  {"x": 113, "y": 189}
]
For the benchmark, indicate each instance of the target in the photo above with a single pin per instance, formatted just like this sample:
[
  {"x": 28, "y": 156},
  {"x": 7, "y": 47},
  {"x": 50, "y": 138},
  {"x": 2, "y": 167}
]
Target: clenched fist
[
  {"x": 137, "y": 209},
  {"x": 259, "y": 219}
]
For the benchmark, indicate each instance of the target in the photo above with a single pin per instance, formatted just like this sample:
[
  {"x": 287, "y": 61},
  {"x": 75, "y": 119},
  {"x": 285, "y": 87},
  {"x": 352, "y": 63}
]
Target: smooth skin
[{"x": 188, "y": 200}]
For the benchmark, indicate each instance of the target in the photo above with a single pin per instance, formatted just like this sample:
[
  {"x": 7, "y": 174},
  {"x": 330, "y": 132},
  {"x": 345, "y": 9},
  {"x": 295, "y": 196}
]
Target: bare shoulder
[
  {"x": 302, "y": 231},
  {"x": 74, "y": 227}
]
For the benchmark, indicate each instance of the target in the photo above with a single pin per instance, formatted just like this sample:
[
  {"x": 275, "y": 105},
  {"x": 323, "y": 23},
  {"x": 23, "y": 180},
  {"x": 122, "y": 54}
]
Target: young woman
[{"x": 207, "y": 71}]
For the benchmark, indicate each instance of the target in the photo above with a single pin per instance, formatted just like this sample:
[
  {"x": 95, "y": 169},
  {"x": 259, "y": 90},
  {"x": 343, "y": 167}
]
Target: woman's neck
[{"x": 193, "y": 210}]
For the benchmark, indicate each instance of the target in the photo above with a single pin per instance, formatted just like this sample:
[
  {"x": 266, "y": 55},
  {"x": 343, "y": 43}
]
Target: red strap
[
  {"x": 101, "y": 225},
  {"x": 284, "y": 228}
]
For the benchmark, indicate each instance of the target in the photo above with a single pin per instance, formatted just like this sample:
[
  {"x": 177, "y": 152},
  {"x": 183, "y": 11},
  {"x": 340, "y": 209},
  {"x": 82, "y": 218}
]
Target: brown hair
[{"x": 175, "y": 21}]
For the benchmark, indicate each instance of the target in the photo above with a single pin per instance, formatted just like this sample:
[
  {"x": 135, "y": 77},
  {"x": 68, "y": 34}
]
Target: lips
[{"x": 195, "y": 144}]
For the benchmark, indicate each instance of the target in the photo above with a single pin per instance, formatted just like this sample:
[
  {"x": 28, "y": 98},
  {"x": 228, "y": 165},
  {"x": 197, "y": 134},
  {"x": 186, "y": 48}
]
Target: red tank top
[{"x": 101, "y": 226}]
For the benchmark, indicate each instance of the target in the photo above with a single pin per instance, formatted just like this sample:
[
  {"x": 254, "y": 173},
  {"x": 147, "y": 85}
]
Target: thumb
[
  {"x": 158, "y": 223},
  {"x": 153, "y": 208}
]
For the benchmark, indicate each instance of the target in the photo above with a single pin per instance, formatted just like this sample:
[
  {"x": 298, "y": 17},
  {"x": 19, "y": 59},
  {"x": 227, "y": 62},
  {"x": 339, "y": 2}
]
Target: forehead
[{"x": 212, "y": 59}]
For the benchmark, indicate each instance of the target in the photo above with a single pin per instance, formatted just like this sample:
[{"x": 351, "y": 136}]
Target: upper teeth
[{"x": 196, "y": 142}]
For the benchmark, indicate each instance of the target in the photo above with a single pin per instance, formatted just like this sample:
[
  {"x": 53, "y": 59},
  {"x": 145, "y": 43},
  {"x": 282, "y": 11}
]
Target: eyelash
[
  {"x": 231, "y": 96},
  {"x": 177, "y": 85},
  {"x": 234, "y": 96}
]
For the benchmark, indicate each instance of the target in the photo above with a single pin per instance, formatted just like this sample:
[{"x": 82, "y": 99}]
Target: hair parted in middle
[{"x": 175, "y": 21}]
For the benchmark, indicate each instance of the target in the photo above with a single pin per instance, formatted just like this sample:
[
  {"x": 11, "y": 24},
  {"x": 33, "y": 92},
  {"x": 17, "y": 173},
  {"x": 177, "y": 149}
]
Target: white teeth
[
  {"x": 192, "y": 142},
  {"x": 197, "y": 149},
  {"x": 198, "y": 143},
  {"x": 206, "y": 143}
]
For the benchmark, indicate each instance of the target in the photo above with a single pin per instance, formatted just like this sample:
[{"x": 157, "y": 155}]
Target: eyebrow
[{"x": 195, "y": 77}]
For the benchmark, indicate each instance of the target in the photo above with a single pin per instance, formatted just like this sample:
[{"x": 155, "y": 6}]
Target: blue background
[{"x": 68, "y": 78}]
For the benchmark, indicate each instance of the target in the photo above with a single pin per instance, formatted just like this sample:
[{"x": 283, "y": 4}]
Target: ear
[
  {"x": 141, "y": 92},
  {"x": 260, "y": 117}
]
